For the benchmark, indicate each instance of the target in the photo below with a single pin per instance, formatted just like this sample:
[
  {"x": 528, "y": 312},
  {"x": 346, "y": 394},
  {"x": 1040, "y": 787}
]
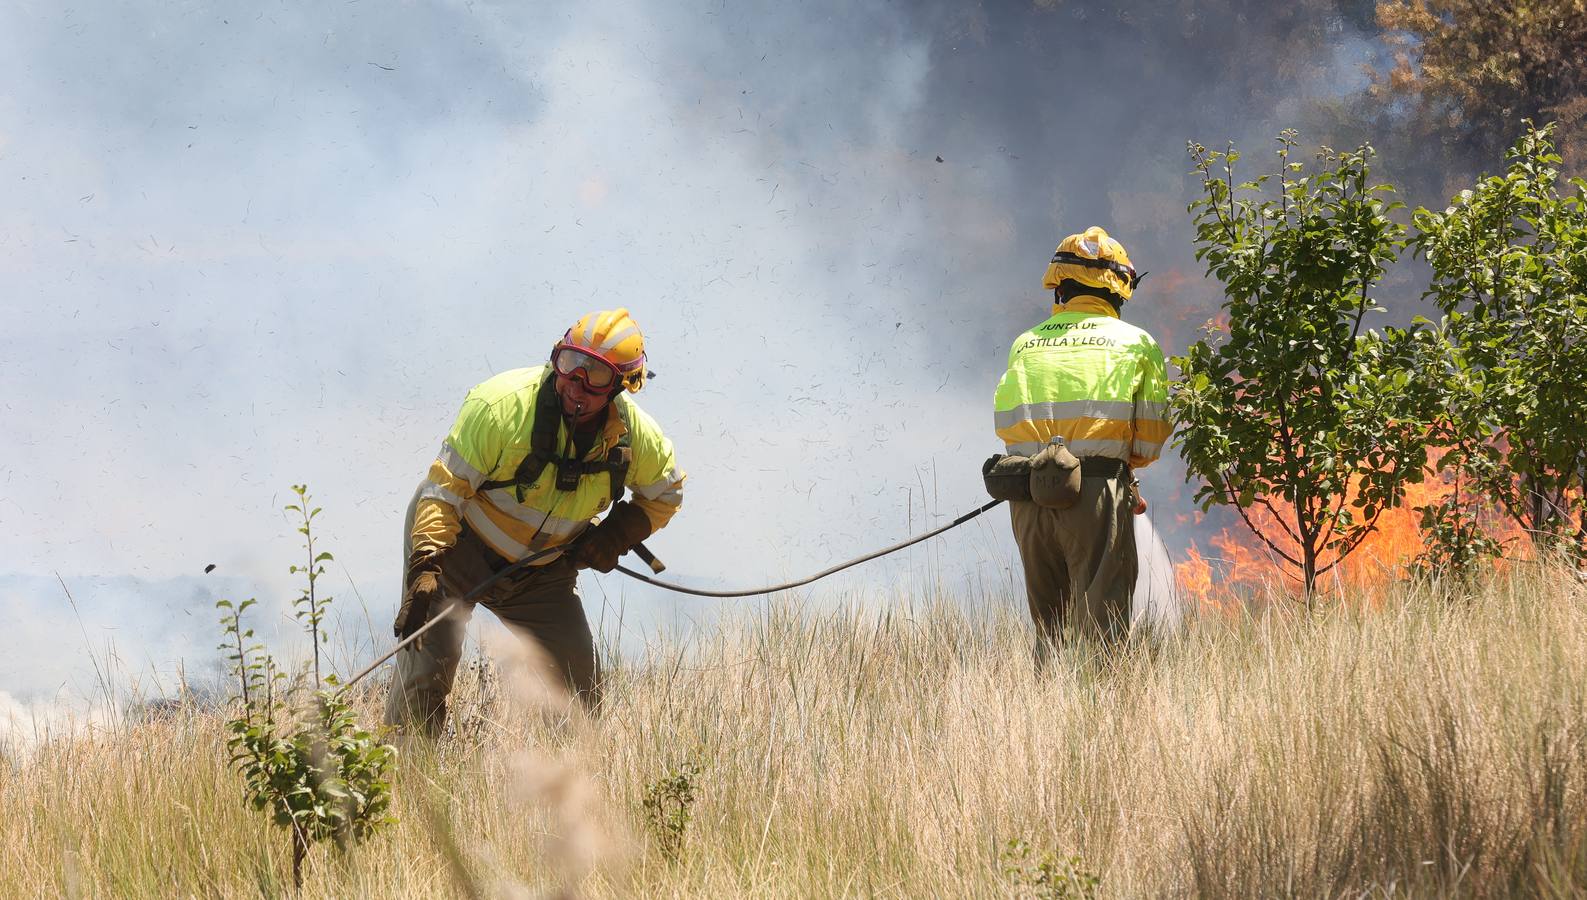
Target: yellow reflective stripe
[
  {"x": 1024, "y": 433},
  {"x": 1029, "y": 435},
  {"x": 1152, "y": 431},
  {"x": 1085, "y": 437},
  {"x": 505, "y": 501},
  {"x": 1065, "y": 409},
  {"x": 432, "y": 491},
  {"x": 457, "y": 465},
  {"x": 1070, "y": 429}
]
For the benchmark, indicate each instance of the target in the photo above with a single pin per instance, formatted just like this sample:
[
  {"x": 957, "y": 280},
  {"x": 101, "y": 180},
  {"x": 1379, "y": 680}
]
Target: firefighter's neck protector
[
  {"x": 607, "y": 347},
  {"x": 1065, "y": 298}
]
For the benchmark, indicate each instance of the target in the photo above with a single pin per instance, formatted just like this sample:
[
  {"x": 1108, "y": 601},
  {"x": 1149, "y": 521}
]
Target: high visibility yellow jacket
[
  {"x": 1090, "y": 378},
  {"x": 489, "y": 441}
]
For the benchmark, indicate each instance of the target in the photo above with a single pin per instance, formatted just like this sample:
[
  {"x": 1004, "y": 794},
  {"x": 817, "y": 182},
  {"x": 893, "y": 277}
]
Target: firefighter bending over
[
  {"x": 534, "y": 456},
  {"x": 1082, "y": 405}
]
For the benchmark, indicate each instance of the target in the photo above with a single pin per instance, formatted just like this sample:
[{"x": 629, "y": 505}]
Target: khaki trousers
[
  {"x": 1080, "y": 563},
  {"x": 539, "y": 603}
]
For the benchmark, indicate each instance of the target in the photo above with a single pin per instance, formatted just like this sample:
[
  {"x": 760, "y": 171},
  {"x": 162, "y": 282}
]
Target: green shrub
[
  {"x": 669, "y": 806},
  {"x": 302, "y": 755}
]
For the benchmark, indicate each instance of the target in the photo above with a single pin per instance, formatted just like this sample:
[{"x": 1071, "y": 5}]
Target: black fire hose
[
  {"x": 770, "y": 589},
  {"x": 640, "y": 549},
  {"x": 658, "y": 567}
]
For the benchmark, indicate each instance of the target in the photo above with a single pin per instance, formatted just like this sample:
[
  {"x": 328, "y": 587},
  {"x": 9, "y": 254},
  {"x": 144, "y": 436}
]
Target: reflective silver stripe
[
  {"x": 1100, "y": 447},
  {"x": 1118, "y": 410},
  {"x": 656, "y": 489},
  {"x": 589, "y": 330},
  {"x": 539, "y": 543},
  {"x": 613, "y": 340},
  {"x": 1150, "y": 409},
  {"x": 673, "y": 497},
  {"x": 457, "y": 465},
  {"x": 432, "y": 491},
  {"x": 506, "y": 500},
  {"x": 493, "y": 535},
  {"x": 1091, "y": 447},
  {"x": 1142, "y": 448}
]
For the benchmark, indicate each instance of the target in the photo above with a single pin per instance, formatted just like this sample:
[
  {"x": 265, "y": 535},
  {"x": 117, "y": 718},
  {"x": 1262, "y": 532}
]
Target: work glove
[
  {"x": 622, "y": 529},
  {"x": 423, "y": 593}
]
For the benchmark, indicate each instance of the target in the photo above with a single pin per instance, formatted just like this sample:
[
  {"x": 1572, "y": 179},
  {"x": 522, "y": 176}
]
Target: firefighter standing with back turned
[
  {"x": 1082, "y": 405},
  {"x": 534, "y": 456}
]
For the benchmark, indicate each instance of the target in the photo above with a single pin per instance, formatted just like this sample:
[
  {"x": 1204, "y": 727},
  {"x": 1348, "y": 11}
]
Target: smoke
[
  {"x": 27, "y": 725},
  {"x": 248, "y": 246},
  {"x": 1156, "y": 601}
]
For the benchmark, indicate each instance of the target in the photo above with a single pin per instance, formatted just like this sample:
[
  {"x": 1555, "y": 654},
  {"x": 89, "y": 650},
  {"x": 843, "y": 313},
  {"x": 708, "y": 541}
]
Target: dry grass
[{"x": 1424, "y": 748}]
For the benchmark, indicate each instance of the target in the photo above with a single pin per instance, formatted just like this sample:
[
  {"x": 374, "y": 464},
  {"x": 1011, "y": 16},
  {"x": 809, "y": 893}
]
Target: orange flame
[{"x": 1244, "y": 564}]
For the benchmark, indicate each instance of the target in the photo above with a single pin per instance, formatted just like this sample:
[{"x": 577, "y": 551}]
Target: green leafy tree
[
  {"x": 1293, "y": 412},
  {"x": 1509, "y": 261},
  {"x": 303, "y": 757}
]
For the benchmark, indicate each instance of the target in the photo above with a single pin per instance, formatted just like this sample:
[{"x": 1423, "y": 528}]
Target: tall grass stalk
[{"x": 1410, "y": 747}]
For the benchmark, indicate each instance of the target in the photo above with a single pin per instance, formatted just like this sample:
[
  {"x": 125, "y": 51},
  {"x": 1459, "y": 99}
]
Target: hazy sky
[{"x": 248, "y": 245}]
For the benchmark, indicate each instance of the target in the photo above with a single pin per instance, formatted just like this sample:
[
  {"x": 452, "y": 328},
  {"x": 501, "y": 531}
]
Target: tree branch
[
  {"x": 1279, "y": 519},
  {"x": 1258, "y": 532},
  {"x": 1353, "y": 541}
]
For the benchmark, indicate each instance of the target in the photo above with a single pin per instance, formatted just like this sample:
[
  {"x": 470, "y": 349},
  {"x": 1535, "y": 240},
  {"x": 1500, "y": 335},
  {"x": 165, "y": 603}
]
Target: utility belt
[{"x": 1050, "y": 478}]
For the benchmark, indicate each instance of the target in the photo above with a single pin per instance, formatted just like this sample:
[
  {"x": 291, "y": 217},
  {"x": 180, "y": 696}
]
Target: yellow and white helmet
[
  {"x": 603, "y": 348},
  {"x": 1092, "y": 258}
]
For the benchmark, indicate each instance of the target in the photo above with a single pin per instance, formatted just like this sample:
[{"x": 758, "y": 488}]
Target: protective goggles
[{"x": 585, "y": 366}]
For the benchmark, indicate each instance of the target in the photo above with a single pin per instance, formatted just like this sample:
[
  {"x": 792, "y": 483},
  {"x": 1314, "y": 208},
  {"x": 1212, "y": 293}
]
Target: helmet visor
[{"x": 597, "y": 372}]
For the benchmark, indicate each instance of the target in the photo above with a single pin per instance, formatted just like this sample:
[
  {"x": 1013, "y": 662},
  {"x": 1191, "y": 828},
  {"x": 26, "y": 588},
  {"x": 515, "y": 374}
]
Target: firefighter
[
  {"x": 1085, "y": 399},
  {"x": 534, "y": 455}
]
